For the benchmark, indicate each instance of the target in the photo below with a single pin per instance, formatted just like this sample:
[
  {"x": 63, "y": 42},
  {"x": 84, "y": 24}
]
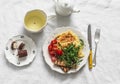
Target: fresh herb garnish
[
  {"x": 81, "y": 42},
  {"x": 70, "y": 56}
]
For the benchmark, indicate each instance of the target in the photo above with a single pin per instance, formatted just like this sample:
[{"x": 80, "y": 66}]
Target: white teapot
[{"x": 64, "y": 7}]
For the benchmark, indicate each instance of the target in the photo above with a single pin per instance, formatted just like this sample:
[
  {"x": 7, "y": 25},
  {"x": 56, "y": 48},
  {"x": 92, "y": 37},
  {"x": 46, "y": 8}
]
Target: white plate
[
  {"x": 29, "y": 46},
  {"x": 46, "y": 53}
]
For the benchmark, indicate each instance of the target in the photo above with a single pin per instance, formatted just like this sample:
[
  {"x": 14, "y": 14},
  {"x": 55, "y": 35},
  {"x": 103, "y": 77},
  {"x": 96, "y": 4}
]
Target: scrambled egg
[{"x": 68, "y": 37}]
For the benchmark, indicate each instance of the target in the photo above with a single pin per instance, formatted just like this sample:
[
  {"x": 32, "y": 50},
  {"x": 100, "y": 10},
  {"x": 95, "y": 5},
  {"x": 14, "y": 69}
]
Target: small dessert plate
[{"x": 29, "y": 46}]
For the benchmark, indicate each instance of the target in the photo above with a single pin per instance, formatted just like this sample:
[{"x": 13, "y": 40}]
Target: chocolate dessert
[
  {"x": 21, "y": 46},
  {"x": 13, "y": 45},
  {"x": 22, "y": 53}
]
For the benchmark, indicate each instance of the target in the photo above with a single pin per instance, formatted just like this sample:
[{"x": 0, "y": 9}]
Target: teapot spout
[{"x": 75, "y": 11}]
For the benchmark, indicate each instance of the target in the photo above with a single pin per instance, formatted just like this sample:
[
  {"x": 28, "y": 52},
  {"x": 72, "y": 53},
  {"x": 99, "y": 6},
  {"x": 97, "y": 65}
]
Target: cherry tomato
[
  {"x": 59, "y": 52},
  {"x": 54, "y": 41},
  {"x": 53, "y": 59},
  {"x": 54, "y": 48},
  {"x": 50, "y": 47},
  {"x": 52, "y": 53}
]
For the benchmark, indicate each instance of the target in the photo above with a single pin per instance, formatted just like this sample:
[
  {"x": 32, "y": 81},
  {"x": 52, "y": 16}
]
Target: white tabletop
[{"x": 103, "y": 14}]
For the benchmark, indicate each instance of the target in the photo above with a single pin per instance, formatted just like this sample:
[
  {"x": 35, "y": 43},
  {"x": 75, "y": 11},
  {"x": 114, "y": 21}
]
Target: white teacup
[{"x": 36, "y": 20}]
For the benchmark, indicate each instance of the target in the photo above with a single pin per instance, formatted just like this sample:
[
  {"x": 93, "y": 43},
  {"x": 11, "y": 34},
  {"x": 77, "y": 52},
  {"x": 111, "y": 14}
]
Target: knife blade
[{"x": 90, "y": 46}]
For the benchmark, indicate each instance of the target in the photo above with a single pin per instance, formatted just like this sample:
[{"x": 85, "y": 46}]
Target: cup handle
[{"x": 51, "y": 17}]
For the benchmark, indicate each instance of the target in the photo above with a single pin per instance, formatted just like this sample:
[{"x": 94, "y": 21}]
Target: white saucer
[{"x": 29, "y": 46}]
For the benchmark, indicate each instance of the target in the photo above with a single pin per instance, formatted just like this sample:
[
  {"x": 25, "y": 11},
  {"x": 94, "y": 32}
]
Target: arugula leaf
[{"x": 70, "y": 56}]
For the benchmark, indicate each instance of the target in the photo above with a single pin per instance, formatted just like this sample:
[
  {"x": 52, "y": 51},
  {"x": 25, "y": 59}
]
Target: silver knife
[{"x": 90, "y": 46}]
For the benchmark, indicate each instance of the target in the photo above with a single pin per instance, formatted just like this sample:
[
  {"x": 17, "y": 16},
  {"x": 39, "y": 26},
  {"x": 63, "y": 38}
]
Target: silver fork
[{"x": 97, "y": 38}]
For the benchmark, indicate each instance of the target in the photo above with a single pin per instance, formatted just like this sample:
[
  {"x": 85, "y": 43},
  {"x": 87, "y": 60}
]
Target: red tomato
[
  {"x": 54, "y": 48},
  {"x": 54, "y": 45},
  {"x": 59, "y": 52},
  {"x": 53, "y": 59},
  {"x": 50, "y": 47},
  {"x": 54, "y": 41},
  {"x": 52, "y": 53}
]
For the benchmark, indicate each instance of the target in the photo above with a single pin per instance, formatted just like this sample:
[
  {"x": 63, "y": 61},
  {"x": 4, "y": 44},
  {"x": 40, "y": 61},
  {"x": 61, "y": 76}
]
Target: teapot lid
[{"x": 66, "y": 5}]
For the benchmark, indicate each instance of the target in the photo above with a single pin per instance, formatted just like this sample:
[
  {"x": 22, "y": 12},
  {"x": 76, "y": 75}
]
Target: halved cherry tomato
[
  {"x": 53, "y": 59},
  {"x": 54, "y": 48},
  {"x": 50, "y": 47},
  {"x": 54, "y": 41},
  {"x": 59, "y": 52},
  {"x": 52, "y": 53}
]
